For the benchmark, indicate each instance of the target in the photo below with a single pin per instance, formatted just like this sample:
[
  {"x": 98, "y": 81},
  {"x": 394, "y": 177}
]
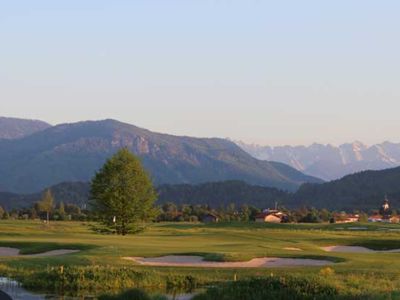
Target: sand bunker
[
  {"x": 54, "y": 253},
  {"x": 358, "y": 228},
  {"x": 6, "y": 251},
  {"x": 198, "y": 261},
  {"x": 292, "y": 249},
  {"x": 355, "y": 249}
]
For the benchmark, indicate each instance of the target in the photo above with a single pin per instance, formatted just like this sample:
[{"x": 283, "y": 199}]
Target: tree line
[
  {"x": 172, "y": 212},
  {"x": 51, "y": 211}
]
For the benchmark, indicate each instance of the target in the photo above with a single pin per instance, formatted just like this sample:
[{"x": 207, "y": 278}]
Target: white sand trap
[
  {"x": 292, "y": 249},
  {"x": 355, "y": 249},
  {"x": 54, "y": 253},
  {"x": 358, "y": 228},
  {"x": 7, "y": 251},
  {"x": 198, "y": 261}
]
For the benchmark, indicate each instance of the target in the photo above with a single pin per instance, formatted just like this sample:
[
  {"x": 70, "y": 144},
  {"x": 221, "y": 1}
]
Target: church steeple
[{"x": 385, "y": 209}]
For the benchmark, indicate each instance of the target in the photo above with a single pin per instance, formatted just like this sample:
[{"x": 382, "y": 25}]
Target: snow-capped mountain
[{"x": 330, "y": 162}]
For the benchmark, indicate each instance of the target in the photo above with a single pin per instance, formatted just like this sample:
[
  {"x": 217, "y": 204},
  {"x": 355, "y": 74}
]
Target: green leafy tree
[
  {"x": 170, "y": 211},
  {"x": 122, "y": 194},
  {"x": 325, "y": 215},
  {"x": 61, "y": 211},
  {"x": 46, "y": 204},
  {"x": 363, "y": 217},
  {"x": 2, "y": 212},
  {"x": 254, "y": 211},
  {"x": 33, "y": 213},
  {"x": 245, "y": 213}
]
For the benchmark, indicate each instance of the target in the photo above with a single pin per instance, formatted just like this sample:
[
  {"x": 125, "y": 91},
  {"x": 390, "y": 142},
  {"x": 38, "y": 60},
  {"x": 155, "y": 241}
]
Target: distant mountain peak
[
  {"x": 15, "y": 128},
  {"x": 330, "y": 162}
]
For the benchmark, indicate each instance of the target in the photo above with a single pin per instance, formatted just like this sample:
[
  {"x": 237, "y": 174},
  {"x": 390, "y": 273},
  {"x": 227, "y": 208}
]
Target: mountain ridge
[
  {"x": 330, "y": 162},
  {"x": 74, "y": 151},
  {"x": 15, "y": 128}
]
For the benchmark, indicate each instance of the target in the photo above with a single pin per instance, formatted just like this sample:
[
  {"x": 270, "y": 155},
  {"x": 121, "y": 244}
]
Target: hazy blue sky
[{"x": 271, "y": 72}]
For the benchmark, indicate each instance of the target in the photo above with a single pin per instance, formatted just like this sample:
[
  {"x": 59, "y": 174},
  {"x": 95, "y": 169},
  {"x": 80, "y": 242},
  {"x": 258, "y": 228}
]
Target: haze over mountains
[
  {"x": 330, "y": 162},
  {"x": 74, "y": 152}
]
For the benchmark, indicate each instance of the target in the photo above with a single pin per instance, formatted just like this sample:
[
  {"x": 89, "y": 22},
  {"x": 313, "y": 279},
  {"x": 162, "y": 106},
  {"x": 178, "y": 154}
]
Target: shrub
[{"x": 327, "y": 272}]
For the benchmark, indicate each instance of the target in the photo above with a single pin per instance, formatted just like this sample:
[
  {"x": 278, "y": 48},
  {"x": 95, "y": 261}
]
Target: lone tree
[
  {"x": 122, "y": 193},
  {"x": 46, "y": 204}
]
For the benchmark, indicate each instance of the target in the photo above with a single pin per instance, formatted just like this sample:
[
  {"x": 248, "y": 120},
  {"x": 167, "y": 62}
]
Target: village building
[
  {"x": 271, "y": 216},
  {"x": 345, "y": 218},
  {"x": 384, "y": 215},
  {"x": 375, "y": 218},
  {"x": 395, "y": 219},
  {"x": 383, "y": 219},
  {"x": 210, "y": 218}
]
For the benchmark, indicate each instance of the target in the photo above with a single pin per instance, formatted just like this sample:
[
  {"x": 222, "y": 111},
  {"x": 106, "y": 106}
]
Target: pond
[{"x": 17, "y": 292}]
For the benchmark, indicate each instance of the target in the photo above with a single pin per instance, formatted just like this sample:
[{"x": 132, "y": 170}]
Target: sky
[{"x": 266, "y": 72}]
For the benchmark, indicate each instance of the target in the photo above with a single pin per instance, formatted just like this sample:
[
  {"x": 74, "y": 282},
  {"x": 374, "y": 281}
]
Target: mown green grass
[{"x": 101, "y": 253}]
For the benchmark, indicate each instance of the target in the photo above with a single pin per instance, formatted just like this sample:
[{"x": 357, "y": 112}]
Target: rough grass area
[
  {"x": 377, "y": 244},
  {"x": 99, "y": 266}
]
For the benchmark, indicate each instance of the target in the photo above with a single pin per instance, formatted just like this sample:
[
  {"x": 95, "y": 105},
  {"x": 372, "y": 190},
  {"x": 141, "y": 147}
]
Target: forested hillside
[
  {"x": 74, "y": 152},
  {"x": 218, "y": 194},
  {"x": 361, "y": 191},
  {"x": 364, "y": 190}
]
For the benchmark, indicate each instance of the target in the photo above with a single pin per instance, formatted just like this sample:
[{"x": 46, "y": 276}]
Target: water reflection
[{"x": 16, "y": 292}]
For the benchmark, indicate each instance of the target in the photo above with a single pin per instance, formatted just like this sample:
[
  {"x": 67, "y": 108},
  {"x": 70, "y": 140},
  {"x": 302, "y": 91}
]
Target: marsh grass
[
  {"x": 271, "y": 288},
  {"x": 293, "y": 287},
  {"x": 74, "y": 280},
  {"x": 134, "y": 294}
]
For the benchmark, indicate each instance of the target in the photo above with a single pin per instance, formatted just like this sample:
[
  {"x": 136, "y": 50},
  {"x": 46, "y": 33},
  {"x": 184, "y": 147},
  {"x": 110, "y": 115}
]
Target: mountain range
[
  {"x": 13, "y": 128},
  {"x": 35, "y": 155},
  {"x": 74, "y": 152},
  {"x": 327, "y": 161}
]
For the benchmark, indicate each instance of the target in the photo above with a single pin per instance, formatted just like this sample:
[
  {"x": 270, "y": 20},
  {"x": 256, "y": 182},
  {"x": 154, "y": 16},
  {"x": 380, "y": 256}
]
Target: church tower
[{"x": 385, "y": 209}]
